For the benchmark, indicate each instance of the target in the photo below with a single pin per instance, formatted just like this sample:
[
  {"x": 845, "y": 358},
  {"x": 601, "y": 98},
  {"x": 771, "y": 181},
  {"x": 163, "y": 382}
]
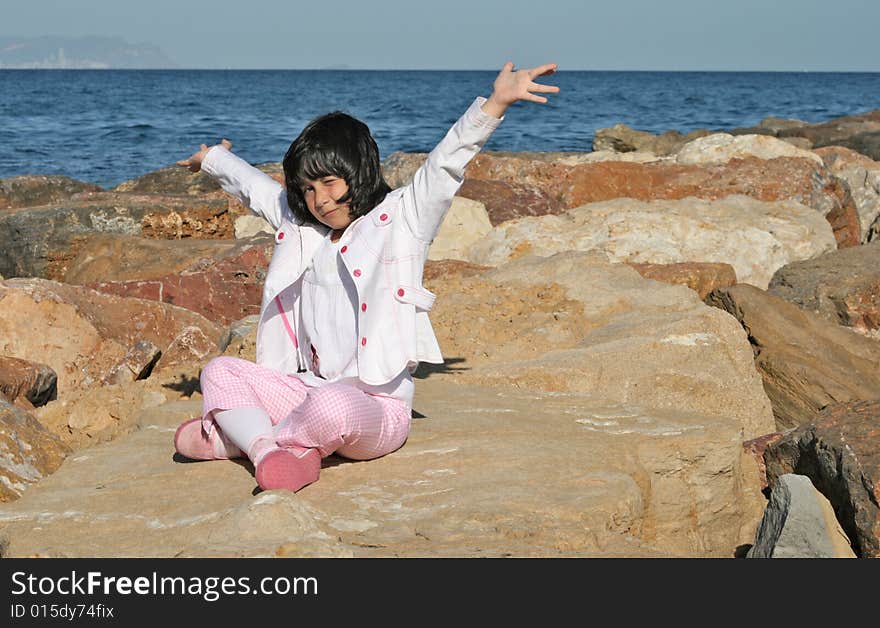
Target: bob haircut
[{"x": 338, "y": 145}]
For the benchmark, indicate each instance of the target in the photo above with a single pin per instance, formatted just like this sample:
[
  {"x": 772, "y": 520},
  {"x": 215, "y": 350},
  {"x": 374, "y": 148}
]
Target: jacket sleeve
[
  {"x": 427, "y": 199},
  {"x": 261, "y": 193}
]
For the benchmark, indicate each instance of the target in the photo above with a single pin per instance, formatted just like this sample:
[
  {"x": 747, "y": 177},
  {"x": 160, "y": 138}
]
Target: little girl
[{"x": 343, "y": 322}]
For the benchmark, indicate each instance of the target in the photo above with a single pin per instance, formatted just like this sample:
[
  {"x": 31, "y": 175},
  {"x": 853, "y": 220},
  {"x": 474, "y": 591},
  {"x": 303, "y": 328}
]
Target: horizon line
[{"x": 352, "y": 69}]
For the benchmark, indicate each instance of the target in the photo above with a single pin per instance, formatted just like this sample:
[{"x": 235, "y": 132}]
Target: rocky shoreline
[{"x": 667, "y": 347}]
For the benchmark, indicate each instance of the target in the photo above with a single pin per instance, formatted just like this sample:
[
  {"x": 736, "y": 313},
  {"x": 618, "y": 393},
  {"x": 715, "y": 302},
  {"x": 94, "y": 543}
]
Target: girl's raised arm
[
  {"x": 426, "y": 200},
  {"x": 261, "y": 193}
]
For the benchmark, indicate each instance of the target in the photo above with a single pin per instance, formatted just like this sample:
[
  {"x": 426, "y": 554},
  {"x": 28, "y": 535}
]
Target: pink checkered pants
[{"x": 335, "y": 418}]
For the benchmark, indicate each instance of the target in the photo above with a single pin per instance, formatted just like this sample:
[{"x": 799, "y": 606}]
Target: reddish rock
[
  {"x": 785, "y": 178},
  {"x": 31, "y": 190},
  {"x": 701, "y": 277},
  {"x": 840, "y": 453},
  {"x": 223, "y": 288},
  {"x": 756, "y": 448},
  {"x": 506, "y": 200},
  {"x": 116, "y": 257},
  {"x": 22, "y": 379},
  {"x": 81, "y": 333}
]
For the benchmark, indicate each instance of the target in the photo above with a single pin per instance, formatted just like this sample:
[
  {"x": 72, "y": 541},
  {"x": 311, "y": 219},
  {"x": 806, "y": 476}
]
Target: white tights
[{"x": 249, "y": 429}]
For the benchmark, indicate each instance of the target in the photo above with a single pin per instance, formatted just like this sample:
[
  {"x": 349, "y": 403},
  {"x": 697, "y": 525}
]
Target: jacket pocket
[{"x": 421, "y": 298}]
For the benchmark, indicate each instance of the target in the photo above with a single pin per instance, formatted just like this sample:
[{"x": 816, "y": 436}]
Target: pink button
[
  {"x": 383, "y": 217},
  {"x": 357, "y": 272},
  {"x": 363, "y": 307},
  {"x": 344, "y": 249},
  {"x": 400, "y": 292},
  {"x": 363, "y": 342},
  {"x": 280, "y": 235}
]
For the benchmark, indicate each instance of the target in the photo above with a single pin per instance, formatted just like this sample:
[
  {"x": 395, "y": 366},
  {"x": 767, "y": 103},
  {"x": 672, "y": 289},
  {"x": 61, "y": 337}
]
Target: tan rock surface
[
  {"x": 754, "y": 237},
  {"x": 485, "y": 473},
  {"x": 131, "y": 498},
  {"x": 83, "y": 418},
  {"x": 720, "y": 148},
  {"x": 28, "y": 451},
  {"x": 615, "y": 432},
  {"x": 806, "y": 362},
  {"x": 576, "y": 323},
  {"x": 466, "y": 223}
]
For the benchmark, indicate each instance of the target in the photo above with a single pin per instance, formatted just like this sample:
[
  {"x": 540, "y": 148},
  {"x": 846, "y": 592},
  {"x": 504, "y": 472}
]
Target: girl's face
[{"x": 320, "y": 196}]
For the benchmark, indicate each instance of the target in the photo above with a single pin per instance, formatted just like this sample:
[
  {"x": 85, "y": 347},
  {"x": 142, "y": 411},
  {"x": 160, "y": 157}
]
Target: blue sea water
[{"x": 107, "y": 126}]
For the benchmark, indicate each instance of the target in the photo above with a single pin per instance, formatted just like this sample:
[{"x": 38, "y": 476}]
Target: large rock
[
  {"x": 174, "y": 180},
  {"x": 170, "y": 180},
  {"x": 466, "y": 223},
  {"x": 721, "y": 148},
  {"x": 132, "y": 497},
  {"x": 248, "y": 226},
  {"x": 840, "y": 453},
  {"x": 799, "y": 523},
  {"x": 837, "y": 132},
  {"x": 82, "y": 333},
  {"x": 842, "y": 286},
  {"x": 43, "y": 242},
  {"x": 623, "y": 139},
  {"x": 38, "y": 189},
  {"x": 86, "y": 417},
  {"x": 28, "y": 451},
  {"x": 701, "y": 277},
  {"x": 221, "y": 280},
  {"x": 399, "y": 168},
  {"x": 806, "y": 362},
  {"x": 867, "y": 143},
  {"x": 637, "y": 394},
  {"x": 135, "y": 365},
  {"x": 575, "y": 323},
  {"x": 26, "y": 380},
  {"x": 118, "y": 257},
  {"x": 784, "y": 178},
  {"x": 506, "y": 200},
  {"x": 862, "y": 175},
  {"x": 484, "y": 473},
  {"x": 754, "y": 237}
]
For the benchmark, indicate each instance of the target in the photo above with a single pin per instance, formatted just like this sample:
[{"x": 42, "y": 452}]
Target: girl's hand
[
  {"x": 511, "y": 86},
  {"x": 194, "y": 163}
]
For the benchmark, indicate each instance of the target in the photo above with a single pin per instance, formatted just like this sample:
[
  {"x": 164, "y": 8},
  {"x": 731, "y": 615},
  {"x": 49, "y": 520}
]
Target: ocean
[{"x": 108, "y": 126}]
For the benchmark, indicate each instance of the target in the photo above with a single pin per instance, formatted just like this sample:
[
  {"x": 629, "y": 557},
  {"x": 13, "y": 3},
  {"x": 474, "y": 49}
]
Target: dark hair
[{"x": 338, "y": 145}]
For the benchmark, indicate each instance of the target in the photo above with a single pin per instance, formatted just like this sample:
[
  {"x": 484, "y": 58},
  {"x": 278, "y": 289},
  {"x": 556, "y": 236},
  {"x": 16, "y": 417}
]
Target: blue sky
[{"x": 786, "y": 35}]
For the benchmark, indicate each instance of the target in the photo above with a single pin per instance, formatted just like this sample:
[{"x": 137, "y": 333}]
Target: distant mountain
[{"x": 79, "y": 53}]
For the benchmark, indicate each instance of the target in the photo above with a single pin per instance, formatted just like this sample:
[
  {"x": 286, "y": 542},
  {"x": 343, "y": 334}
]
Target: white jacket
[{"x": 385, "y": 252}]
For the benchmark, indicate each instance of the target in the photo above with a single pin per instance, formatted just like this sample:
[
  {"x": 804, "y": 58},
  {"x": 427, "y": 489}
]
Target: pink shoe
[
  {"x": 191, "y": 441},
  {"x": 291, "y": 468}
]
